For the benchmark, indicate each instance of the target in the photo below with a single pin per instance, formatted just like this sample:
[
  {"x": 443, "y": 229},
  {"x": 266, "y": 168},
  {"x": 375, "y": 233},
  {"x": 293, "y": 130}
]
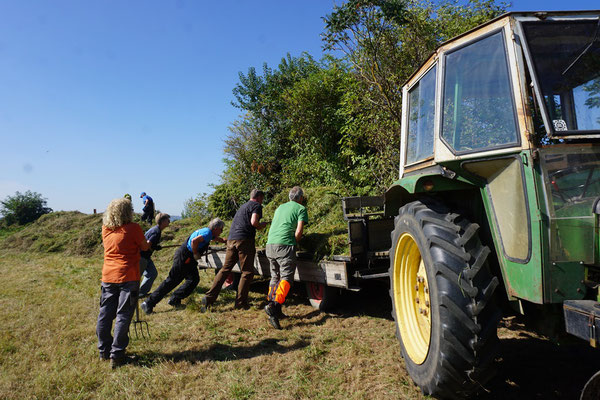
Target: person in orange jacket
[{"x": 123, "y": 240}]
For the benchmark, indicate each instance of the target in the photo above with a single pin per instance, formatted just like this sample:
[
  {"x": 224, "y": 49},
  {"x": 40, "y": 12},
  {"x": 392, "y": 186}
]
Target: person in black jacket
[{"x": 240, "y": 247}]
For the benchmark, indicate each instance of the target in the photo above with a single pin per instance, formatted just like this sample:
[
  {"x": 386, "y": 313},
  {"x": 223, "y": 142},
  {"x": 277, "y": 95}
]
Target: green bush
[{"x": 23, "y": 208}]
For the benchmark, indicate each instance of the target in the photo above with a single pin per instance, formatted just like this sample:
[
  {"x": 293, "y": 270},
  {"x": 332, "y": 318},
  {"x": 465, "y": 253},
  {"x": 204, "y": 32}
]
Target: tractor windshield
[
  {"x": 572, "y": 180},
  {"x": 566, "y": 59}
]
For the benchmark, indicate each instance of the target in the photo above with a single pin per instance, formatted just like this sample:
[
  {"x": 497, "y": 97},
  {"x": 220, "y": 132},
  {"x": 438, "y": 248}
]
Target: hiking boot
[
  {"x": 117, "y": 362},
  {"x": 280, "y": 313},
  {"x": 176, "y": 303},
  {"x": 147, "y": 308},
  {"x": 204, "y": 305},
  {"x": 104, "y": 356},
  {"x": 271, "y": 310}
]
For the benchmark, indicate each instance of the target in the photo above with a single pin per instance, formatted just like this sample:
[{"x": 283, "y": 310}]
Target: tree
[
  {"x": 23, "y": 208},
  {"x": 336, "y": 122},
  {"x": 385, "y": 41},
  {"x": 259, "y": 142},
  {"x": 196, "y": 207}
]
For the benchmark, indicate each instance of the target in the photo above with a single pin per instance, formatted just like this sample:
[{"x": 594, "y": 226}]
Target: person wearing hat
[{"x": 148, "y": 210}]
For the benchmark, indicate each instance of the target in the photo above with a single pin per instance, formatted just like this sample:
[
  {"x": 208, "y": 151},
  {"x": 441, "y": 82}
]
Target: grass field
[{"x": 49, "y": 306}]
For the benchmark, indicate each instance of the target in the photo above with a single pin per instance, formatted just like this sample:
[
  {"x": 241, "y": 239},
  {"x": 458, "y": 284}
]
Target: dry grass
[{"x": 49, "y": 306}]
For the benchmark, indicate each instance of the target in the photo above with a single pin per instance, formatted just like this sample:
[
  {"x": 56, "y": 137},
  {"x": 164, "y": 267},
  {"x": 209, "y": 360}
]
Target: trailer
[{"x": 369, "y": 243}]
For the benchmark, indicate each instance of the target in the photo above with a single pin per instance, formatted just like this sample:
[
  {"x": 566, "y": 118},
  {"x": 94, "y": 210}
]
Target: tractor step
[{"x": 582, "y": 319}]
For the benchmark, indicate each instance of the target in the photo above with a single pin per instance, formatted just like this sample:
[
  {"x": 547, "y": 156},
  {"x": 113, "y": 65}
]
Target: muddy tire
[
  {"x": 443, "y": 300},
  {"x": 322, "y": 297}
]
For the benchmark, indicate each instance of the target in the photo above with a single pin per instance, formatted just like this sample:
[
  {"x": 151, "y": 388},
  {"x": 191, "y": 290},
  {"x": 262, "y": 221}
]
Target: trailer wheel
[
  {"x": 442, "y": 300},
  {"x": 232, "y": 281},
  {"x": 320, "y": 296}
]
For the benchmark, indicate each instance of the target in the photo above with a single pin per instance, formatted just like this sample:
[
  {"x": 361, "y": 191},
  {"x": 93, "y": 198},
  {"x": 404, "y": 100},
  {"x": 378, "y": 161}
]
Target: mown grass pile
[
  {"x": 63, "y": 231},
  {"x": 326, "y": 232}
]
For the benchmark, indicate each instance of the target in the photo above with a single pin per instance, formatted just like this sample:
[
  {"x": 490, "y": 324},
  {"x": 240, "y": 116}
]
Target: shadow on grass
[
  {"x": 313, "y": 318},
  {"x": 372, "y": 300},
  {"x": 221, "y": 352},
  {"x": 533, "y": 368}
]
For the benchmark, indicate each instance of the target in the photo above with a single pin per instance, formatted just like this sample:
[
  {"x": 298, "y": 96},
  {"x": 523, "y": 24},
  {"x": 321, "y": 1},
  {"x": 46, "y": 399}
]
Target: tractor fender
[{"x": 410, "y": 188}]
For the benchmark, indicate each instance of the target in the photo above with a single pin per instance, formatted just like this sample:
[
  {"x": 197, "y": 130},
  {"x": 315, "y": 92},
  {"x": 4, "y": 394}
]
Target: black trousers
[
  {"x": 185, "y": 267},
  {"x": 148, "y": 214}
]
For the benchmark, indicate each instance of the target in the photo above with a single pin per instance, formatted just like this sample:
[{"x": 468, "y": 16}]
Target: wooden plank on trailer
[{"x": 331, "y": 273}]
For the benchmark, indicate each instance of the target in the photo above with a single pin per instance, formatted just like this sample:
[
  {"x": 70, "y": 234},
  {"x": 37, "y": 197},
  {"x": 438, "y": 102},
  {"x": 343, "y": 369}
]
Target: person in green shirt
[{"x": 285, "y": 232}]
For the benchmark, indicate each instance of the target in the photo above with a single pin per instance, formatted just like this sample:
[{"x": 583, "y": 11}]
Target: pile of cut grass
[
  {"x": 62, "y": 231},
  {"x": 326, "y": 232}
]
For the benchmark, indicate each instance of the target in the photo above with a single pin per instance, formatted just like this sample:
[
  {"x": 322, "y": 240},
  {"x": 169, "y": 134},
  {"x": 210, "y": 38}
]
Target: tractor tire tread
[{"x": 468, "y": 312}]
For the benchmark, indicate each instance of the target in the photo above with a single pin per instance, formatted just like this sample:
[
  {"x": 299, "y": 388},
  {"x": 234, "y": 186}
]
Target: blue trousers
[
  {"x": 149, "y": 274},
  {"x": 118, "y": 301}
]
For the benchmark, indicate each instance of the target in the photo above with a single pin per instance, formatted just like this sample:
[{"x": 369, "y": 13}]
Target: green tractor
[{"x": 498, "y": 196}]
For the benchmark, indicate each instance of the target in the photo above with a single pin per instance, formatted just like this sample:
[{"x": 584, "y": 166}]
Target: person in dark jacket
[
  {"x": 147, "y": 267},
  {"x": 185, "y": 266},
  {"x": 240, "y": 247}
]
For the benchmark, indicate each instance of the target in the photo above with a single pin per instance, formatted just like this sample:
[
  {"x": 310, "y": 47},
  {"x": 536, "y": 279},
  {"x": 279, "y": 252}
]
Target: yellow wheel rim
[{"x": 411, "y": 298}]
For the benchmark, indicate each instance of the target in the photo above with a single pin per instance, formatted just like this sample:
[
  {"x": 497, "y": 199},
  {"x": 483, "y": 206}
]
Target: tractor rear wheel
[{"x": 443, "y": 300}]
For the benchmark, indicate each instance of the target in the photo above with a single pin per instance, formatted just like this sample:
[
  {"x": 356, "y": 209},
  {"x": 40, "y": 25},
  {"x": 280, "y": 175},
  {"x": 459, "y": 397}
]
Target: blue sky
[{"x": 102, "y": 98}]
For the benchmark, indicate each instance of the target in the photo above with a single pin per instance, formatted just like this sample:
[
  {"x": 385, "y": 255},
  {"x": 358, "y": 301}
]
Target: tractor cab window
[
  {"x": 421, "y": 113},
  {"x": 478, "y": 106},
  {"x": 566, "y": 59},
  {"x": 572, "y": 180}
]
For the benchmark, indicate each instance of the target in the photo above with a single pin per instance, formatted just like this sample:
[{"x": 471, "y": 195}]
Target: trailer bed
[{"x": 332, "y": 273}]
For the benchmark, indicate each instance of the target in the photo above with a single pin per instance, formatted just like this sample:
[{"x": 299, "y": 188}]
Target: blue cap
[{"x": 142, "y": 194}]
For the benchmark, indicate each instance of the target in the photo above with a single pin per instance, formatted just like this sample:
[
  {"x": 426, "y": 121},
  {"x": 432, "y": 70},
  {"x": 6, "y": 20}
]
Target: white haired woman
[
  {"x": 123, "y": 240},
  {"x": 185, "y": 266}
]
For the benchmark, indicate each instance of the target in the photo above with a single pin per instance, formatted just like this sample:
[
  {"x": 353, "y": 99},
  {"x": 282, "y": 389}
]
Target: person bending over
[
  {"x": 285, "y": 232},
  {"x": 240, "y": 247},
  {"x": 185, "y": 266}
]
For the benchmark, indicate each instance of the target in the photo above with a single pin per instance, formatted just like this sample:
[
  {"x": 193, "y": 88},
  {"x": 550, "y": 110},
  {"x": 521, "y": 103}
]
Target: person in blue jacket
[
  {"x": 148, "y": 210},
  {"x": 185, "y": 266}
]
